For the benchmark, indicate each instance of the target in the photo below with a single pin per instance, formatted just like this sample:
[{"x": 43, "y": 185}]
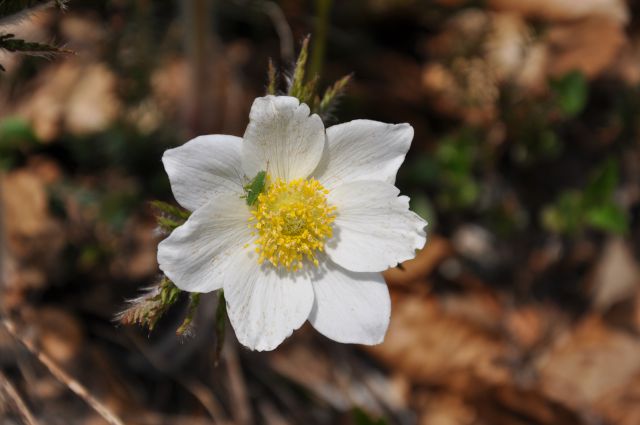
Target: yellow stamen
[{"x": 292, "y": 220}]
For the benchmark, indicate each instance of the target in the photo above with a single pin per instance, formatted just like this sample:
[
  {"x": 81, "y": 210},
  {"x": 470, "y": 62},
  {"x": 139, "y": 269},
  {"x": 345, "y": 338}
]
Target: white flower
[{"x": 314, "y": 244}]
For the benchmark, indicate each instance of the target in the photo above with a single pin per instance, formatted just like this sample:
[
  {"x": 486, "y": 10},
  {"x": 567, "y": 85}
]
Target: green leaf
[
  {"x": 16, "y": 137},
  {"x": 14, "y": 132},
  {"x": 608, "y": 217},
  {"x": 565, "y": 215},
  {"x": 10, "y": 43},
  {"x": 593, "y": 207},
  {"x": 456, "y": 154},
  {"x": 571, "y": 92},
  {"x": 552, "y": 219},
  {"x": 455, "y": 159},
  {"x": 602, "y": 183},
  {"x": 255, "y": 187}
]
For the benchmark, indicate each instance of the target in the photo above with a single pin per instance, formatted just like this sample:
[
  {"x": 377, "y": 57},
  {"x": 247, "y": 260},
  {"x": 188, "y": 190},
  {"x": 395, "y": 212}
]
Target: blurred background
[{"x": 523, "y": 308}]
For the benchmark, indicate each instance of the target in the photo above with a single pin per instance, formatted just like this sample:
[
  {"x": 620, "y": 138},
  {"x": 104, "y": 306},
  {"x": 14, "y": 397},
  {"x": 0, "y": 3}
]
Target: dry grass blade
[
  {"x": 271, "y": 88},
  {"x": 297, "y": 87},
  {"x": 76, "y": 387},
  {"x": 20, "y": 406},
  {"x": 283, "y": 29},
  {"x": 331, "y": 95}
]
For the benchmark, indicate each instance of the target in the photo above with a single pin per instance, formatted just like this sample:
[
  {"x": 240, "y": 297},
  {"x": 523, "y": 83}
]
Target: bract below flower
[{"x": 315, "y": 241}]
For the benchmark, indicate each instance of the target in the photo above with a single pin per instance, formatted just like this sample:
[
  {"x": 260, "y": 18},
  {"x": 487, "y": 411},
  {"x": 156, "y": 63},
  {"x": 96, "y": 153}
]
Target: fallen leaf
[
  {"x": 447, "y": 409},
  {"x": 428, "y": 345},
  {"x": 93, "y": 104},
  {"x": 563, "y": 10},
  {"x": 588, "y": 362},
  {"x": 34, "y": 239},
  {"x": 71, "y": 96},
  {"x": 590, "y": 46},
  {"x": 616, "y": 275}
]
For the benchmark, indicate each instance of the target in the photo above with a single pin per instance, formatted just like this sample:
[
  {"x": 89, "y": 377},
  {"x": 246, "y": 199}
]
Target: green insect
[{"x": 255, "y": 187}]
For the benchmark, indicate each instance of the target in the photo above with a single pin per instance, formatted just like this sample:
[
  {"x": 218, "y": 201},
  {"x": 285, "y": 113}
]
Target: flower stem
[{"x": 323, "y": 8}]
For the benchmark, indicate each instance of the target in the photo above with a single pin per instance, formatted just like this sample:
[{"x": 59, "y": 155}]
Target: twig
[
  {"x": 200, "y": 51},
  {"x": 62, "y": 376},
  {"x": 20, "y": 405}
]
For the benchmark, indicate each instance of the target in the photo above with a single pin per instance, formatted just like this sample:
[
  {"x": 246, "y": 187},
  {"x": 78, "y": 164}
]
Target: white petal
[
  {"x": 264, "y": 305},
  {"x": 282, "y": 138},
  {"x": 350, "y": 307},
  {"x": 195, "y": 255},
  {"x": 374, "y": 228},
  {"x": 203, "y": 167},
  {"x": 363, "y": 150}
]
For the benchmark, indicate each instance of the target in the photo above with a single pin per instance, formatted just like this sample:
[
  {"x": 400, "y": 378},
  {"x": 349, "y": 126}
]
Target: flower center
[{"x": 292, "y": 221}]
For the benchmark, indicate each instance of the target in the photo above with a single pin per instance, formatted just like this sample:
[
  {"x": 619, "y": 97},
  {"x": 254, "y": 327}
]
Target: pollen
[{"x": 292, "y": 220}]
